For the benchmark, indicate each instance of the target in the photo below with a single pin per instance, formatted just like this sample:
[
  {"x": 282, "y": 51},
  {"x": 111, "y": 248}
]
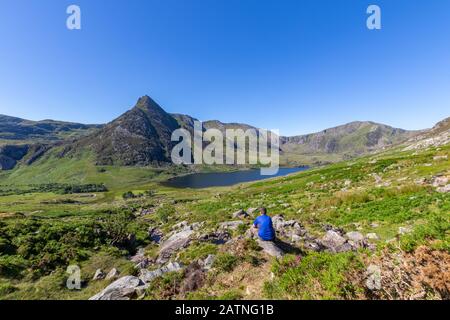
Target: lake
[{"x": 222, "y": 179}]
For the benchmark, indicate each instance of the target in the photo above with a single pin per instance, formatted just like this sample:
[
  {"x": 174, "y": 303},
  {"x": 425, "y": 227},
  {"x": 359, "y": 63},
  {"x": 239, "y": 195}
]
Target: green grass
[{"x": 42, "y": 232}]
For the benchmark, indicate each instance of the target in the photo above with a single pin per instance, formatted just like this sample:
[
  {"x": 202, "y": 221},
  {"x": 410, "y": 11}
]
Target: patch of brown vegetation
[{"x": 423, "y": 274}]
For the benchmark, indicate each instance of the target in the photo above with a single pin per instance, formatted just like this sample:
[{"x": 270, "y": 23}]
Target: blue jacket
[{"x": 265, "y": 228}]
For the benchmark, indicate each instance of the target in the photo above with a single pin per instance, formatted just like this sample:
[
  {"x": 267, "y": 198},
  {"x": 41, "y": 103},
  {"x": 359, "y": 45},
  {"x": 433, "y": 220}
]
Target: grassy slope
[{"x": 313, "y": 197}]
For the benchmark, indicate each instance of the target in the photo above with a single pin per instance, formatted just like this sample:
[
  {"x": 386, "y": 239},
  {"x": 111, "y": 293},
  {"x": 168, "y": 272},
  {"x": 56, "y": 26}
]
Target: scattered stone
[
  {"x": 113, "y": 274},
  {"x": 99, "y": 275},
  {"x": 445, "y": 189},
  {"x": 180, "y": 225},
  {"x": 143, "y": 264},
  {"x": 155, "y": 235},
  {"x": 241, "y": 214},
  {"x": 354, "y": 236},
  {"x": 230, "y": 225},
  {"x": 121, "y": 289},
  {"x": 208, "y": 262},
  {"x": 147, "y": 276},
  {"x": 404, "y": 230},
  {"x": 332, "y": 239},
  {"x": 372, "y": 236},
  {"x": 175, "y": 242},
  {"x": 374, "y": 225},
  {"x": 139, "y": 256},
  {"x": 373, "y": 281},
  {"x": 439, "y": 181},
  {"x": 251, "y": 211},
  {"x": 377, "y": 178},
  {"x": 194, "y": 278},
  {"x": 218, "y": 237},
  {"x": 270, "y": 248},
  {"x": 438, "y": 158}
]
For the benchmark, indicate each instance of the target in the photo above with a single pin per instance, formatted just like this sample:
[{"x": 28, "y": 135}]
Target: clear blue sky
[{"x": 299, "y": 66}]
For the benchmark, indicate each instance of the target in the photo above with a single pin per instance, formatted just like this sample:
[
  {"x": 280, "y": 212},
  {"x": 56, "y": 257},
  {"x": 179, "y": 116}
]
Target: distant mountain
[
  {"x": 142, "y": 136},
  {"x": 17, "y": 129},
  {"x": 345, "y": 141}
]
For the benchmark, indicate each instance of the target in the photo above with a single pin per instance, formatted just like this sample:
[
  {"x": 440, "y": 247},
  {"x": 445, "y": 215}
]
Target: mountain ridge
[{"x": 142, "y": 137}]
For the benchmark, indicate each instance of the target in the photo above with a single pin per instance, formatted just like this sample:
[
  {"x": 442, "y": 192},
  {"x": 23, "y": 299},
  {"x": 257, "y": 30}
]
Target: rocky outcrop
[
  {"x": 10, "y": 155},
  {"x": 122, "y": 289},
  {"x": 241, "y": 214},
  {"x": 270, "y": 248},
  {"x": 99, "y": 275},
  {"x": 178, "y": 239},
  {"x": 230, "y": 225},
  {"x": 146, "y": 276},
  {"x": 112, "y": 274}
]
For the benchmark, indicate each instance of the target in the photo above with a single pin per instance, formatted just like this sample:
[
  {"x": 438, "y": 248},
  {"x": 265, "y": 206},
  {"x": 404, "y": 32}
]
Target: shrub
[
  {"x": 11, "y": 266},
  {"x": 128, "y": 195},
  {"x": 225, "y": 262},
  {"x": 316, "y": 276},
  {"x": 165, "y": 287}
]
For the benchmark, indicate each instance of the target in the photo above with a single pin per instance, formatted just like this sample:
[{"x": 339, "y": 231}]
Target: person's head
[{"x": 262, "y": 211}]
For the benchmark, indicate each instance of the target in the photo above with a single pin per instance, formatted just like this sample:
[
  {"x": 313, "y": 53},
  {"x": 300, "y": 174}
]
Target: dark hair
[{"x": 263, "y": 210}]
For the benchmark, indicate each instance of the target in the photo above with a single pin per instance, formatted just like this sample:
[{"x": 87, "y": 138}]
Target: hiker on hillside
[{"x": 263, "y": 225}]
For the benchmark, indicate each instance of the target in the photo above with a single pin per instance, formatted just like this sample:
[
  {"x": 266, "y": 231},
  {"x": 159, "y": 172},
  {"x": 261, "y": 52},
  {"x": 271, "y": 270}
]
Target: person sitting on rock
[{"x": 263, "y": 224}]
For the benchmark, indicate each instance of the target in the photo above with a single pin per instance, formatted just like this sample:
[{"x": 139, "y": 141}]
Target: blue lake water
[{"x": 222, "y": 179}]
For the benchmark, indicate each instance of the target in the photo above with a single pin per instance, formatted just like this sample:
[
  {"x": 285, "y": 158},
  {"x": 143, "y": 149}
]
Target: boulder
[
  {"x": 140, "y": 259},
  {"x": 270, "y": 248},
  {"x": 241, "y": 214},
  {"x": 404, "y": 230},
  {"x": 180, "y": 225},
  {"x": 112, "y": 274},
  {"x": 230, "y": 225},
  {"x": 208, "y": 262},
  {"x": 147, "y": 276},
  {"x": 332, "y": 239},
  {"x": 218, "y": 237},
  {"x": 373, "y": 280},
  {"x": 445, "y": 189},
  {"x": 251, "y": 211},
  {"x": 439, "y": 181},
  {"x": 121, "y": 289},
  {"x": 175, "y": 242},
  {"x": 155, "y": 235},
  {"x": 99, "y": 275},
  {"x": 372, "y": 236},
  {"x": 354, "y": 236}
]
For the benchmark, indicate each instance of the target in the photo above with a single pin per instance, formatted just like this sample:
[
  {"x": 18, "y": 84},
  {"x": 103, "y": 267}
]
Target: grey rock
[
  {"x": 139, "y": 256},
  {"x": 147, "y": 276},
  {"x": 241, "y": 214},
  {"x": 439, "y": 181},
  {"x": 404, "y": 230},
  {"x": 155, "y": 235},
  {"x": 445, "y": 189},
  {"x": 112, "y": 274},
  {"x": 373, "y": 280},
  {"x": 231, "y": 225},
  {"x": 99, "y": 275},
  {"x": 270, "y": 248},
  {"x": 333, "y": 239},
  {"x": 121, "y": 289},
  {"x": 180, "y": 225},
  {"x": 209, "y": 261},
  {"x": 354, "y": 236},
  {"x": 175, "y": 242},
  {"x": 372, "y": 236}
]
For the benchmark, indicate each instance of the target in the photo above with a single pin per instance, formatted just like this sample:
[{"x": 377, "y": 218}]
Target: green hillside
[{"x": 401, "y": 196}]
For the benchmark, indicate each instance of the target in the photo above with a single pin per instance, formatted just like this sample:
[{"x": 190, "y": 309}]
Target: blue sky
[{"x": 298, "y": 66}]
